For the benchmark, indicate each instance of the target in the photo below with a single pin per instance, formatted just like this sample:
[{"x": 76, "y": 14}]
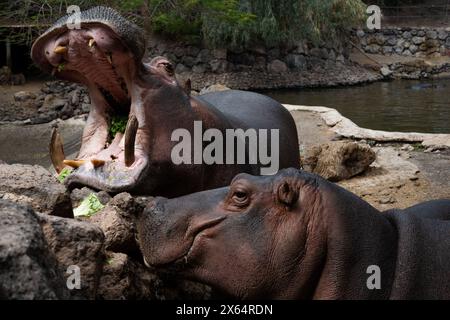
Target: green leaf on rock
[
  {"x": 88, "y": 207},
  {"x": 64, "y": 173}
]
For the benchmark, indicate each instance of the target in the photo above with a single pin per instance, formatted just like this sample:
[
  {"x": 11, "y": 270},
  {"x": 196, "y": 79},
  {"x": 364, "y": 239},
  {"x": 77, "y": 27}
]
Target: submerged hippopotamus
[
  {"x": 106, "y": 54},
  {"x": 297, "y": 236}
]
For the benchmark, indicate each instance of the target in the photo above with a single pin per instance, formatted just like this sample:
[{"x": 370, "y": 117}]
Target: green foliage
[
  {"x": 236, "y": 24},
  {"x": 64, "y": 173},
  {"x": 118, "y": 124},
  {"x": 219, "y": 23},
  {"x": 88, "y": 207}
]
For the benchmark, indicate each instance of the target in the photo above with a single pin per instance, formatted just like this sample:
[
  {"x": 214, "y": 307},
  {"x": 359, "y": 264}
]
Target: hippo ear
[
  {"x": 187, "y": 87},
  {"x": 287, "y": 193}
]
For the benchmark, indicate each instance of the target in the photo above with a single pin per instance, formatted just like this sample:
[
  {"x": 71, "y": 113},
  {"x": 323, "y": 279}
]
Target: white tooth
[{"x": 91, "y": 42}]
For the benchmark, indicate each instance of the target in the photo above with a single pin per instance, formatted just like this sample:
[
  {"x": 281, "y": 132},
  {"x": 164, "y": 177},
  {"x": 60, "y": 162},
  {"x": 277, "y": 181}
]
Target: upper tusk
[
  {"x": 108, "y": 57},
  {"x": 74, "y": 163},
  {"x": 91, "y": 42},
  {"x": 60, "y": 49}
]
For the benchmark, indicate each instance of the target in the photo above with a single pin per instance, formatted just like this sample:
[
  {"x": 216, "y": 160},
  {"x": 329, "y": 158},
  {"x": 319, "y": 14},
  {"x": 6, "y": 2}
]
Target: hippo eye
[
  {"x": 240, "y": 197},
  {"x": 169, "y": 68}
]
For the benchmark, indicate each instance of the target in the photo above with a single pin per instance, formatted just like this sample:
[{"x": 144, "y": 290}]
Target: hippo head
[
  {"x": 105, "y": 53},
  {"x": 249, "y": 240}
]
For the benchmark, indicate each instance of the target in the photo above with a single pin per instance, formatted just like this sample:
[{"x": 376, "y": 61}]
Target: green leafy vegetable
[
  {"x": 118, "y": 124},
  {"x": 88, "y": 207},
  {"x": 64, "y": 173}
]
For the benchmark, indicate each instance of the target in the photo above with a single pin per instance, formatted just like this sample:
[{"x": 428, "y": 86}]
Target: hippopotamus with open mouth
[
  {"x": 106, "y": 54},
  {"x": 297, "y": 236}
]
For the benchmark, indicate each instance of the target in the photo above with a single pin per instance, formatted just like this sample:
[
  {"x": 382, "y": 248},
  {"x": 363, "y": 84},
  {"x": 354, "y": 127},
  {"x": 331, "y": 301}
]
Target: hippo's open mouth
[
  {"x": 193, "y": 238},
  {"x": 101, "y": 55}
]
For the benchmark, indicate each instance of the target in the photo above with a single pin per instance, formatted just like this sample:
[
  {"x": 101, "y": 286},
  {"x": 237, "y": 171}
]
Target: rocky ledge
[{"x": 43, "y": 249}]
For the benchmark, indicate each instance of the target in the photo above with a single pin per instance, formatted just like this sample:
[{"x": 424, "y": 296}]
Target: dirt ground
[
  {"x": 7, "y": 105},
  {"x": 397, "y": 179}
]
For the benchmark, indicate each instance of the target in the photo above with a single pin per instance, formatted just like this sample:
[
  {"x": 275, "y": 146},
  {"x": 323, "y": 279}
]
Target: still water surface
[{"x": 400, "y": 105}]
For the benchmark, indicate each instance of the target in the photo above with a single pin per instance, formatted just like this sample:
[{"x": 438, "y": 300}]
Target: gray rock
[
  {"x": 418, "y": 40},
  {"x": 180, "y": 52},
  {"x": 117, "y": 224},
  {"x": 315, "y": 52},
  {"x": 392, "y": 41},
  {"x": 199, "y": 68},
  {"x": 24, "y": 95},
  {"x": 413, "y": 48},
  {"x": 274, "y": 53},
  {"x": 219, "y": 66},
  {"x": 360, "y": 33},
  {"x": 125, "y": 279},
  {"x": 340, "y": 58},
  {"x": 36, "y": 186},
  {"x": 181, "y": 68},
  {"x": 76, "y": 243},
  {"x": 387, "y": 49},
  {"x": 192, "y": 51},
  {"x": 380, "y": 39},
  {"x": 407, "y": 35},
  {"x": 386, "y": 72},
  {"x": 398, "y": 50},
  {"x": 431, "y": 34},
  {"x": 421, "y": 33},
  {"x": 407, "y": 53},
  {"x": 442, "y": 35},
  {"x": 74, "y": 97},
  {"x": 277, "y": 66},
  {"x": 340, "y": 160},
  {"x": 220, "y": 54},
  {"x": 373, "y": 48},
  {"x": 171, "y": 57},
  {"x": 188, "y": 61},
  {"x": 296, "y": 61},
  {"x": 204, "y": 56},
  {"x": 53, "y": 102},
  {"x": 28, "y": 269},
  {"x": 85, "y": 107}
]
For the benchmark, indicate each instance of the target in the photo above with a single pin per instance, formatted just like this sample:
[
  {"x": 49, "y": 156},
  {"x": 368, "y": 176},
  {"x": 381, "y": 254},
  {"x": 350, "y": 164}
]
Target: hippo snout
[{"x": 167, "y": 229}]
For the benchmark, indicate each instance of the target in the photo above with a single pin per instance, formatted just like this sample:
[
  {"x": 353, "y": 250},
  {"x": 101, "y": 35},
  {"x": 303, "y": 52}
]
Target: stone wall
[
  {"x": 406, "y": 41},
  {"x": 199, "y": 60},
  {"x": 300, "y": 65}
]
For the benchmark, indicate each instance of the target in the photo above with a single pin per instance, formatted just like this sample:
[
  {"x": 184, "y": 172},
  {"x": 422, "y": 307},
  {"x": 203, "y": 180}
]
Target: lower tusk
[
  {"x": 54, "y": 71},
  {"x": 97, "y": 163},
  {"x": 60, "y": 49},
  {"x": 74, "y": 163},
  {"x": 57, "y": 151},
  {"x": 108, "y": 57},
  {"x": 130, "y": 138},
  {"x": 91, "y": 42}
]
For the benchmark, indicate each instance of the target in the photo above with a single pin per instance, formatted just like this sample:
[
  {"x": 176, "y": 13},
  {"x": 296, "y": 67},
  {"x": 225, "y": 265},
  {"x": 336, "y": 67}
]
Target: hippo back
[
  {"x": 423, "y": 258},
  {"x": 253, "y": 110}
]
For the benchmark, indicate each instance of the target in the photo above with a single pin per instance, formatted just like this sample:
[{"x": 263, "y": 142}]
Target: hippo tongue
[{"x": 113, "y": 169}]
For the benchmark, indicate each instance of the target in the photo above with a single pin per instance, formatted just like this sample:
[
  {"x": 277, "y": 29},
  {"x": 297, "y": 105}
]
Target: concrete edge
[{"x": 347, "y": 128}]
